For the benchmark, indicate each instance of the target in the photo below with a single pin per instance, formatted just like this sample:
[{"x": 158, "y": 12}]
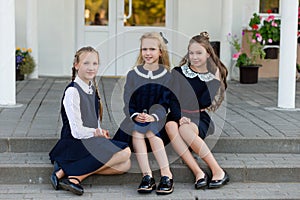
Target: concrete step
[
  {"x": 238, "y": 190},
  {"x": 35, "y": 168},
  {"x": 218, "y": 145}
]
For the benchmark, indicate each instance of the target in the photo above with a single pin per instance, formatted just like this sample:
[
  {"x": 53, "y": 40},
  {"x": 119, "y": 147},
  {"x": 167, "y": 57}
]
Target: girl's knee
[
  {"x": 150, "y": 134},
  {"x": 170, "y": 125},
  {"x": 126, "y": 153}
]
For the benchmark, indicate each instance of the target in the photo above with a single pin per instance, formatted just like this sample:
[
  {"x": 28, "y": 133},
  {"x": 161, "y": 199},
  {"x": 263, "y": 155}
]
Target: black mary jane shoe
[
  {"x": 165, "y": 186},
  {"x": 53, "y": 178},
  {"x": 219, "y": 183},
  {"x": 147, "y": 185},
  {"x": 202, "y": 182},
  {"x": 67, "y": 185}
]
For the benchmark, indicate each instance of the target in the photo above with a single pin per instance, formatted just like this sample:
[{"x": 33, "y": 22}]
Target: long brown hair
[
  {"x": 74, "y": 73},
  {"x": 164, "y": 58},
  {"x": 213, "y": 63}
]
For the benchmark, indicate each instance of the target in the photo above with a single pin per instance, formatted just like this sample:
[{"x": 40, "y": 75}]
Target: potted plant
[
  {"x": 267, "y": 31},
  {"x": 25, "y": 63},
  {"x": 247, "y": 63}
]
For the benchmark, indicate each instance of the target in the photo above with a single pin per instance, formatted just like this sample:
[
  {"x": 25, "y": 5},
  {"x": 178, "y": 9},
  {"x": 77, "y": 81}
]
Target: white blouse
[{"x": 71, "y": 103}]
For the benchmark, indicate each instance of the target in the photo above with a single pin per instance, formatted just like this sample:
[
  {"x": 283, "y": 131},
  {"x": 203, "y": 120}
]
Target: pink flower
[
  {"x": 236, "y": 55},
  {"x": 270, "y": 18},
  {"x": 274, "y": 24},
  {"x": 258, "y": 37},
  {"x": 270, "y": 40}
]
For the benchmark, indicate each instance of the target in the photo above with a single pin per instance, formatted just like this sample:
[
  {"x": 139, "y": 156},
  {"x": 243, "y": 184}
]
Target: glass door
[
  {"x": 138, "y": 17},
  {"x": 114, "y": 27}
]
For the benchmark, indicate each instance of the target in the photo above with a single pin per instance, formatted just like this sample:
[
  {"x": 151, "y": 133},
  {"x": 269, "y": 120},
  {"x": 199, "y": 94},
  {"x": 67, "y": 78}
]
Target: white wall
[
  {"x": 196, "y": 16},
  {"x": 56, "y": 25},
  {"x": 242, "y": 13},
  {"x": 20, "y": 16},
  {"x": 56, "y": 35}
]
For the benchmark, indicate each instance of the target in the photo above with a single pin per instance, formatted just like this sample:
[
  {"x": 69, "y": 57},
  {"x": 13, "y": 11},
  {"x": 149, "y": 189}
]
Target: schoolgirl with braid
[
  {"x": 199, "y": 84},
  {"x": 84, "y": 148}
]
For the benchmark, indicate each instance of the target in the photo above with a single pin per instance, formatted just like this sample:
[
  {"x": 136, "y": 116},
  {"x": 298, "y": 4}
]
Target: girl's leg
[
  {"x": 118, "y": 164},
  {"x": 140, "y": 149},
  {"x": 189, "y": 133},
  {"x": 182, "y": 149},
  {"x": 160, "y": 154},
  {"x": 60, "y": 173}
]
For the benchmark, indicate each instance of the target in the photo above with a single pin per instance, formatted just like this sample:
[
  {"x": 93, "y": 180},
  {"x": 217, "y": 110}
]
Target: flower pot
[
  {"x": 271, "y": 53},
  {"x": 19, "y": 76},
  {"x": 249, "y": 74}
]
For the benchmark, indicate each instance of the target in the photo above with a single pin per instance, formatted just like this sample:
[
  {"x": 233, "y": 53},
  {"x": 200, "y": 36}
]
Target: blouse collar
[
  {"x": 161, "y": 71},
  {"x": 87, "y": 88},
  {"x": 186, "y": 70}
]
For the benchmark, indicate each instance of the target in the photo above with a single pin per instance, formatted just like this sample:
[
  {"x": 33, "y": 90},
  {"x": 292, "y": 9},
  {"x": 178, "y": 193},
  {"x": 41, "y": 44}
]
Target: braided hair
[{"x": 74, "y": 73}]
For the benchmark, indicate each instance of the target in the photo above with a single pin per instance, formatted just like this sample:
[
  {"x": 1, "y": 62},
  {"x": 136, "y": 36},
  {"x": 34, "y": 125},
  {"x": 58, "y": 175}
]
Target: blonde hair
[
  {"x": 213, "y": 63},
  {"x": 76, "y": 60},
  {"x": 164, "y": 58}
]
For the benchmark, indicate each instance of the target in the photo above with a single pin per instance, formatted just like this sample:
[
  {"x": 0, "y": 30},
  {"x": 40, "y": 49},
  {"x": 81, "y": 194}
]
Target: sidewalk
[
  {"x": 182, "y": 191},
  {"x": 258, "y": 145}
]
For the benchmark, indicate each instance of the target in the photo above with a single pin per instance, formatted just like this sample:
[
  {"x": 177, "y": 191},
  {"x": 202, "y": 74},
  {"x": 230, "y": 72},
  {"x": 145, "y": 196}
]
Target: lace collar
[
  {"x": 191, "y": 74},
  {"x": 150, "y": 74}
]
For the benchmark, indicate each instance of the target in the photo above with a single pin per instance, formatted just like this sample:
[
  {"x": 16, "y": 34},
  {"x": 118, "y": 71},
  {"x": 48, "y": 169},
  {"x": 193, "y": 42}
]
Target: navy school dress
[
  {"x": 81, "y": 156},
  {"x": 145, "y": 91},
  {"x": 193, "y": 91}
]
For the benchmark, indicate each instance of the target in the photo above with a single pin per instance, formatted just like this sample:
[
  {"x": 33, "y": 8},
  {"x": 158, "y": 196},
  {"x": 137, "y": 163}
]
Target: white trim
[
  {"x": 271, "y": 46},
  {"x": 155, "y": 115},
  {"x": 133, "y": 115},
  {"x": 150, "y": 74},
  {"x": 190, "y": 74}
]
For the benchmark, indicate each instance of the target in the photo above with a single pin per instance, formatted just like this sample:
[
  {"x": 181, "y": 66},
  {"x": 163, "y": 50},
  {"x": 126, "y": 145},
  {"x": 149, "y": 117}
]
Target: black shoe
[
  {"x": 219, "y": 183},
  {"x": 165, "y": 186},
  {"x": 67, "y": 185},
  {"x": 147, "y": 185},
  {"x": 202, "y": 182},
  {"x": 53, "y": 178}
]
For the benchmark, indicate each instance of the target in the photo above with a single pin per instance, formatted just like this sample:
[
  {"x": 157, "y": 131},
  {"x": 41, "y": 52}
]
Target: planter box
[
  {"x": 19, "y": 76},
  {"x": 270, "y": 67},
  {"x": 249, "y": 74}
]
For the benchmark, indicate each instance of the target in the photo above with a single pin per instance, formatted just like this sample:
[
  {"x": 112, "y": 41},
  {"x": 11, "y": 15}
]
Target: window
[
  {"x": 146, "y": 13},
  {"x": 265, "y": 5},
  {"x": 96, "y": 12}
]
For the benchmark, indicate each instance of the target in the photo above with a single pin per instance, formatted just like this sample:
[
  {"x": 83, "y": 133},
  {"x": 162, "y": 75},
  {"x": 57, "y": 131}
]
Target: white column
[
  {"x": 7, "y": 53},
  {"x": 225, "y": 51},
  {"x": 288, "y": 54},
  {"x": 31, "y": 33}
]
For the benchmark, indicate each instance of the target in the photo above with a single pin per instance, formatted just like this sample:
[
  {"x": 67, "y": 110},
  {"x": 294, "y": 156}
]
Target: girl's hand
[
  {"x": 144, "y": 117},
  {"x": 105, "y": 133},
  {"x": 184, "y": 120},
  {"x": 149, "y": 118},
  {"x": 101, "y": 133}
]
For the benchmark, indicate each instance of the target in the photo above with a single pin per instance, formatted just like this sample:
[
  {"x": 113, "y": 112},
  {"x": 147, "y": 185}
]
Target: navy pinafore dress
[{"x": 81, "y": 156}]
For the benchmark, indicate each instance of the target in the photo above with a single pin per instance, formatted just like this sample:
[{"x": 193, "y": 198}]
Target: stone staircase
[
  {"x": 255, "y": 145},
  {"x": 25, "y": 160}
]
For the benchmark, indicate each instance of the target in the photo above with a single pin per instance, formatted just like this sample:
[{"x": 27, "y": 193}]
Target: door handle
[{"x": 129, "y": 10}]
